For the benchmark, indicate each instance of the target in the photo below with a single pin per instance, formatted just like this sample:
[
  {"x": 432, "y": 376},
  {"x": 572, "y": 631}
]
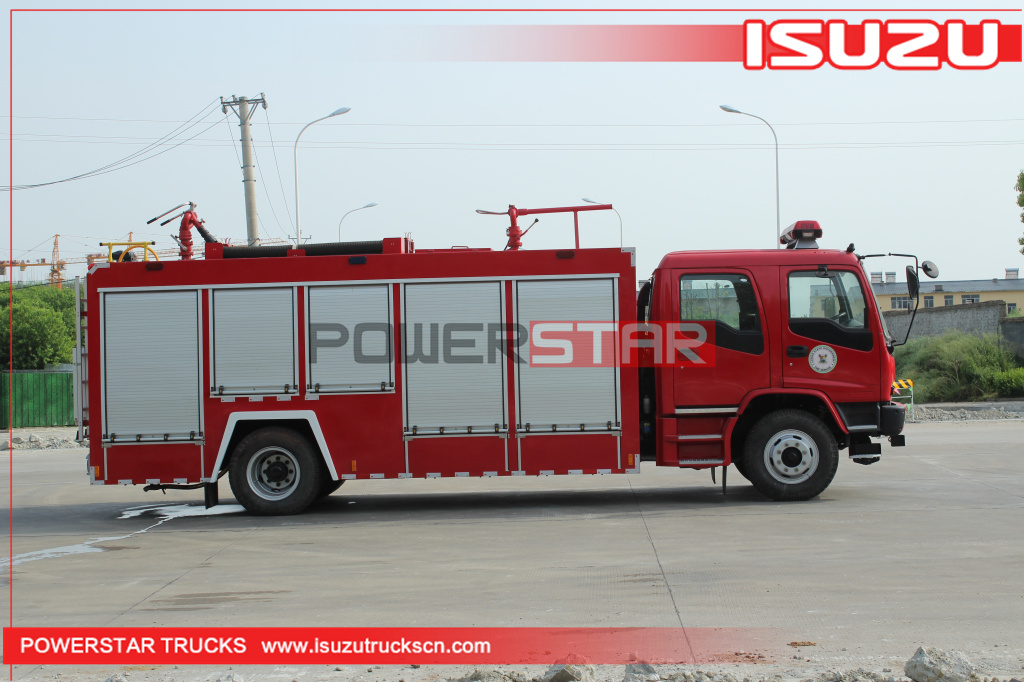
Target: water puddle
[{"x": 163, "y": 512}]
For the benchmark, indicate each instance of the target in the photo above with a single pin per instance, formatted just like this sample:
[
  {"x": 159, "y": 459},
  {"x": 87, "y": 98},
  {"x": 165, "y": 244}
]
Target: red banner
[
  {"x": 391, "y": 646},
  {"x": 797, "y": 43}
]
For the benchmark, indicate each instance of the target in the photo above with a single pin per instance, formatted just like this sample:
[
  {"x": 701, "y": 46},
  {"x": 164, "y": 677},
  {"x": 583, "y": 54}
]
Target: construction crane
[{"x": 57, "y": 264}]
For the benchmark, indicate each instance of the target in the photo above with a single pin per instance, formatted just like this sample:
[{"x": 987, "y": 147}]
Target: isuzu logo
[{"x": 898, "y": 44}]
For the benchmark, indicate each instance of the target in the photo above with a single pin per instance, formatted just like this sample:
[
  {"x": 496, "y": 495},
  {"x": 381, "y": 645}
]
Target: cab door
[
  {"x": 827, "y": 340},
  {"x": 706, "y": 398},
  {"x": 729, "y": 298}
]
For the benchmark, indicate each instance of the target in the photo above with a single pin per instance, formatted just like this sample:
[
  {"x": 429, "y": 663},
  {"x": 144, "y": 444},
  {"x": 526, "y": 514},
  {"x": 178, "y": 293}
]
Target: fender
[
  {"x": 794, "y": 391},
  {"x": 273, "y": 415}
]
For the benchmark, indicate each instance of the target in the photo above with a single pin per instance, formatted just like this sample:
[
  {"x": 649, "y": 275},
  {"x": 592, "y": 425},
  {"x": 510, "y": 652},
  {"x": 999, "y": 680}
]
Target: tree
[
  {"x": 1020, "y": 202},
  {"x": 40, "y": 337},
  {"x": 43, "y": 325}
]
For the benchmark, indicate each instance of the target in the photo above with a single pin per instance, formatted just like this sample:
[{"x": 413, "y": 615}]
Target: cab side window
[
  {"x": 729, "y": 300},
  {"x": 829, "y": 307}
]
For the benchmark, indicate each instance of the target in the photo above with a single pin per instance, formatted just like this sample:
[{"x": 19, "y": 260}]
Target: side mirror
[
  {"x": 930, "y": 269},
  {"x": 913, "y": 283}
]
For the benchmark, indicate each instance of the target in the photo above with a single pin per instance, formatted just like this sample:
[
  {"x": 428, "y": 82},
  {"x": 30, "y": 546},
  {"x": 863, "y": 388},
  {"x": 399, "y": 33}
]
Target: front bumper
[
  {"x": 891, "y": 418},
  {"x": 873, "y": 419}
]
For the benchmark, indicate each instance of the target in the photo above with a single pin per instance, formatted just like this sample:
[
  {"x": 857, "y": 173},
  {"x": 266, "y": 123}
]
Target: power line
[
  {"x": 234, "y": 146},
  {"x": 187, "y": 125},
  {"x": 277, "y": 166},
  {"x": 98, "y": 172},
  {"x": 238, "y": 157},
  {"x": 113, "y": 139},
  {"x": 582, "y": 146},
  {"x": 270, "y": 202},
  {"x": 36, "y": 246},
  {"x": 123, "y": 163},
  {"x": 562, "y": 125}
]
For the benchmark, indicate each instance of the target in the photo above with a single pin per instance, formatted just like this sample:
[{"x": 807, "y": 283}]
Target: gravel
[
  {"x": 926, "y": 664},
  {"x": 42, "y": 438},
  {"x": 933, "y": 413},
  {"x": 935, "y": 665}
]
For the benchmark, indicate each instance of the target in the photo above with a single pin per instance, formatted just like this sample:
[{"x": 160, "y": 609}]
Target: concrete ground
[{"x": 923, "y": 548}]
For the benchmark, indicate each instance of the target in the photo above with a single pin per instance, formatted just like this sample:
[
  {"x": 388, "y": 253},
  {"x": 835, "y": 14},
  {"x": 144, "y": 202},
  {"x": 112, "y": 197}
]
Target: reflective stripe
[{"x": 706, "y": 410}]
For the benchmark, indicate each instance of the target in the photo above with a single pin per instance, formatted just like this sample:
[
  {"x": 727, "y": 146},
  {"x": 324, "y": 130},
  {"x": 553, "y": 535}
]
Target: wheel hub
[
  {"x": 276, "y": 472},
  {"x": 273, "y": 473},
  {"x": 791, "y": 456}
]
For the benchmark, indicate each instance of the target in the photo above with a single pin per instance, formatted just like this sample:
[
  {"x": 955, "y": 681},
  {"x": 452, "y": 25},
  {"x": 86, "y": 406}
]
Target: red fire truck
[{"x": 293, "y": 370}]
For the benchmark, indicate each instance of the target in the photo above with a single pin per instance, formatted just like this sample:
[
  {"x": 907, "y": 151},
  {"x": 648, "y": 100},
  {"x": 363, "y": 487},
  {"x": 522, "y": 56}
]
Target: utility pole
[{"x": 244, "y": 113}]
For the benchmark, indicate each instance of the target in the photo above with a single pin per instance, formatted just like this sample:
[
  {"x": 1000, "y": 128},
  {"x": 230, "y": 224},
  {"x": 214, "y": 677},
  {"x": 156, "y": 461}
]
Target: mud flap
[{"x": 211, "y": 494}]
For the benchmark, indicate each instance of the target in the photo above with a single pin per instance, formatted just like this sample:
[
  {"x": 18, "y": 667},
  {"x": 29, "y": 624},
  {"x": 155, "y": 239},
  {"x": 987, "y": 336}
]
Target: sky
[{"x": 911, "y": 162}]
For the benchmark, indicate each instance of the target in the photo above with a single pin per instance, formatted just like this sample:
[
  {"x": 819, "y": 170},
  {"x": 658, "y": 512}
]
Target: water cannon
[
  {"x": 515, "y": 233},
  {"x": 189, "y": 219}
]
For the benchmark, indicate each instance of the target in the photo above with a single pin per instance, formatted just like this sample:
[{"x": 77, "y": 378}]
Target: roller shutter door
[
  {"x": 350, "y": 345},
  {"x": 466, "y": 389},
  {"x": 151, "y": 365},
  {"x": 566, "y": 397},
  {"x": 254, "y": 340}
]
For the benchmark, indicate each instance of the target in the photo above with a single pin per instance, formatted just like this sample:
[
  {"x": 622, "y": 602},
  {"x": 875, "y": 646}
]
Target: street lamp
[
  {"x": 778, "y": 222},
  {"x": 295, "y": 161},
  {"x": 369, "y": 205},
  {"x": 591, "y": 201}
]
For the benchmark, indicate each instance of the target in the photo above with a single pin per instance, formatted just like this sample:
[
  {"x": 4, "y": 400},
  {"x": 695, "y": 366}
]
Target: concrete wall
[
  {"x": 976, "y": 318},
  {"x": 1012, "y": 329},
  {"x": 987, "y": 317}
]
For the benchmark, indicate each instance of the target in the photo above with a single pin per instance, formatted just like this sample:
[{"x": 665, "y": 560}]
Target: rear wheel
[
  {"x": 790, "y": 455},
  {"x": 275, "y": 471},
  {"x": 328, "y": 486}
]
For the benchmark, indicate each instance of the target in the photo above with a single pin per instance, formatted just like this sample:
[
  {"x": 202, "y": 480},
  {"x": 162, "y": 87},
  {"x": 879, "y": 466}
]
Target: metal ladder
[{"x": 81, "y": 365}]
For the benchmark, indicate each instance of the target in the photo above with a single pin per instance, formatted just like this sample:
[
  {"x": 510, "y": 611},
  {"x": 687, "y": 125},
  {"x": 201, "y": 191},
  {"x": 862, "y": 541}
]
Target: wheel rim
[
  {"x": 273, "y": 473},
  {"x": 791, "y": 456}
]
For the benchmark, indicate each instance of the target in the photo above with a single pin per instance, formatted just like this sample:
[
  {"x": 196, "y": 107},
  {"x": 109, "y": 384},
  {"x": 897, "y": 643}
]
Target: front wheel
[
  {"x": 790, "y": 455},
  {"x": 741, "y": 466},
  {"x": 275, "y": 471}
]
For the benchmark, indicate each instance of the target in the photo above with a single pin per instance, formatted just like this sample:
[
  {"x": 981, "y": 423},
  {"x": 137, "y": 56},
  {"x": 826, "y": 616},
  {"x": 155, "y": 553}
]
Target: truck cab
[{"x": 797, "y": 365}]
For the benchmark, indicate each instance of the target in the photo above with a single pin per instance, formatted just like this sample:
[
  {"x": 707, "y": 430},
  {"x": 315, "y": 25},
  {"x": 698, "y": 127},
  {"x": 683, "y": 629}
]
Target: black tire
[
  {"x": 740, "y": 466},
  {"x": 327, "y": 486},
  {"x": 274, "y": 471},
  {"x": 790, "y": 455}
]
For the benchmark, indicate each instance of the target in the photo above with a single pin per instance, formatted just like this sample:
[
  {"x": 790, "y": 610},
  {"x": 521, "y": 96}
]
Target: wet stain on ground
[{"x": 207, "y": 600}]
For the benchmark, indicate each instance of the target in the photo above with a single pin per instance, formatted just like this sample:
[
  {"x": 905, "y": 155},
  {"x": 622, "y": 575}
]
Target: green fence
[{"x": 40, "y": 399}]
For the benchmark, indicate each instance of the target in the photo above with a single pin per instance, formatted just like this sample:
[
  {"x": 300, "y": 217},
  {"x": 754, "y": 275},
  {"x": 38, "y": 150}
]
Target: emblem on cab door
[{"x": 822, "y": 359}]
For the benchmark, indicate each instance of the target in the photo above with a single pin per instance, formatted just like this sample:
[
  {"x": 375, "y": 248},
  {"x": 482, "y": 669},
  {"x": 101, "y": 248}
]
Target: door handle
[{"x": 797, "y": 351}]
